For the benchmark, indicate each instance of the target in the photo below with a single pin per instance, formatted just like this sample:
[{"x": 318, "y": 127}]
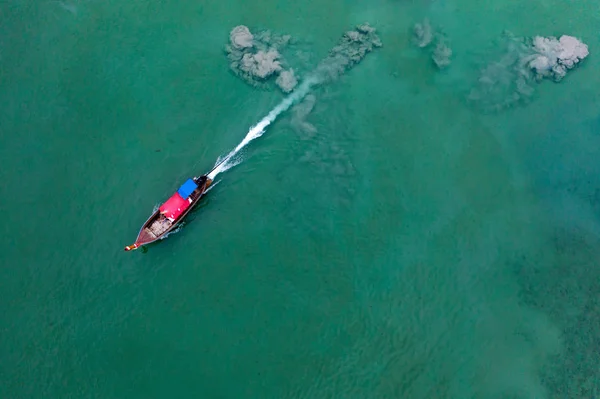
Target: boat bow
[{"x": 131, "y": 247}]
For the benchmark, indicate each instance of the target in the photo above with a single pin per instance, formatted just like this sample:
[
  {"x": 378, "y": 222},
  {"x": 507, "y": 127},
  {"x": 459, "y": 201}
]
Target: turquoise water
[{"x": 412, "y": 246}]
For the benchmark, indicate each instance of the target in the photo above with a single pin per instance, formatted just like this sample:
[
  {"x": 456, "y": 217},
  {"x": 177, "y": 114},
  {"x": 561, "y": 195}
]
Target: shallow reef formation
[
  {"x": 511, "y": 78},
  {"x": 436, "y": 42},
  {"x": 257, "y": 57},
  {"x": 352, "y": 48},
  {"x": 554, "y": 57},
  {"x": 299, "y": 114}
]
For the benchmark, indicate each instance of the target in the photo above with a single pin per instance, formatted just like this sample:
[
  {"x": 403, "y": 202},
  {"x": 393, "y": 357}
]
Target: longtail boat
[{"x": 170, "y": 214}]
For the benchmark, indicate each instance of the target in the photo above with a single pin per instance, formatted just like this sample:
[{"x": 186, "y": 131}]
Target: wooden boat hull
[{"x": 157, "y": 226}]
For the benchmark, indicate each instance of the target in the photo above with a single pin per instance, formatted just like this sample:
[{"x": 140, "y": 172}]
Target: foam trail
[{"x": 258, "y": 129}]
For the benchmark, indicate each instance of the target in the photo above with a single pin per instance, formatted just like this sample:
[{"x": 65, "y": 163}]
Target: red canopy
[{"x": 174, "y": 206}]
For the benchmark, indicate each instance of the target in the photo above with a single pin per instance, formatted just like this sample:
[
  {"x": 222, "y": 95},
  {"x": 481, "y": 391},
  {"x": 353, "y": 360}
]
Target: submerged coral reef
[
  {"x": 349, "y": 51},
  {"x": 287, "y": 80},
  {"x": 554, "y": 57},
  {"x": 257, "y": 58},
  {"x": 424, "y": 36},
  {"x": 510, "y": 79}
]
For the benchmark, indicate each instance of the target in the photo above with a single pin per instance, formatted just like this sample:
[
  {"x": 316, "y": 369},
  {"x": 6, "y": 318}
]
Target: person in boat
[{"x": 201, "y": 180}]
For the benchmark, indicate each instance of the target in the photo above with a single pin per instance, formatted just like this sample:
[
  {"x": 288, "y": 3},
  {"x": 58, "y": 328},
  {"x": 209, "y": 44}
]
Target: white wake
[{"x": 257, "y": 130}]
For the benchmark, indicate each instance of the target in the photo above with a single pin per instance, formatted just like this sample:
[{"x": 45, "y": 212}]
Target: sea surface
[{"x": 409, "y": 244}]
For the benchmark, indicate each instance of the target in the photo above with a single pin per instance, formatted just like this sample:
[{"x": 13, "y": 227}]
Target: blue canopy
[{"x": 187, "y": 188}]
